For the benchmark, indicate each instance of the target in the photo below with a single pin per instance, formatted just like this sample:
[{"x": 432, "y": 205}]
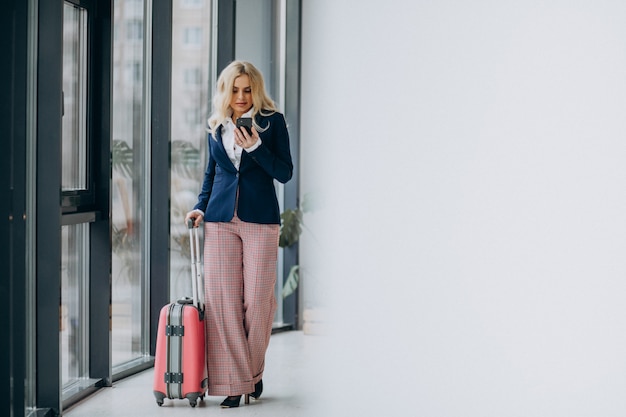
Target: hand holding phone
[{"x": 246, "y": 123}]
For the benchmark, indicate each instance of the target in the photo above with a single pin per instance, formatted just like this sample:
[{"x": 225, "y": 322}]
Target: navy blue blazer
[{"x": 257, "y": 201}]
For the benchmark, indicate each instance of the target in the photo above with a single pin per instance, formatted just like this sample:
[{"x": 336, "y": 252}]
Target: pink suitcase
[{"x": 180, "y": 361}]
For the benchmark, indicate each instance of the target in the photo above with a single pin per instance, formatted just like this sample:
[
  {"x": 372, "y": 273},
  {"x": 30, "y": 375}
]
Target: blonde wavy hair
[{"x": 261, "y": 101}]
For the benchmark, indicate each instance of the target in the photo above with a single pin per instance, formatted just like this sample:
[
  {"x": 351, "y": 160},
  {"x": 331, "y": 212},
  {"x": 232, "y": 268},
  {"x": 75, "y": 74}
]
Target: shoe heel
[
  {"x": 258, "y": 390},
  {"x": 247, "y": 399}
]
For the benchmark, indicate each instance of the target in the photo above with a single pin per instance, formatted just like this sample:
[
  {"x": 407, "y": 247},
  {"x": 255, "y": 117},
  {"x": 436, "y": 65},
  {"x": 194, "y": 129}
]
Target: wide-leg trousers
[{"x": 239, "y": 279}]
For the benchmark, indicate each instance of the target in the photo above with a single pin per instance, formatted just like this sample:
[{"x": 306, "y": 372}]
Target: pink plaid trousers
[{"x": 239, "y": 279}]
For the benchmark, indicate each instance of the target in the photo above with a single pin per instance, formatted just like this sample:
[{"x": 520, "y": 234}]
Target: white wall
[{"x": 472, "y": 161}]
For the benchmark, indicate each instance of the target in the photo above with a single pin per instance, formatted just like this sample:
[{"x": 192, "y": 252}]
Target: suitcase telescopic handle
[{"x": 194, "y": 246}]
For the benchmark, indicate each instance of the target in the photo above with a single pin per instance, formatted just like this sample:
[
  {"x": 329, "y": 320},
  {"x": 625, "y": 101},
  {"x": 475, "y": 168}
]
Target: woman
[{"x": 241, "y": 228}]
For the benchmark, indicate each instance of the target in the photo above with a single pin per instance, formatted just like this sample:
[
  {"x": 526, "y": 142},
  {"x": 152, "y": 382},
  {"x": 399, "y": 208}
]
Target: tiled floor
[{"x": 290, "y": 363}]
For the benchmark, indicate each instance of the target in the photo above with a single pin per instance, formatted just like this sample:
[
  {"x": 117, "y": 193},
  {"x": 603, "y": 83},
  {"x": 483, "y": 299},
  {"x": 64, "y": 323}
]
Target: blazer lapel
[
  {"x": 222, "y": 159},
  {"x": 218, "y": 137}
]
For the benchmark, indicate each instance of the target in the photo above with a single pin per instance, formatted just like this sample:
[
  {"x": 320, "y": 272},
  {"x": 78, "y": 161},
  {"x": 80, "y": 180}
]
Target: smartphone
[{"x": 245, "y": 122}]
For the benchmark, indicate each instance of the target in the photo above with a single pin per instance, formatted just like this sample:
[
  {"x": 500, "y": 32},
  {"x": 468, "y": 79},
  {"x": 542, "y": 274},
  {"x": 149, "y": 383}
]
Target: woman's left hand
[{"x": 243, "y": 139}]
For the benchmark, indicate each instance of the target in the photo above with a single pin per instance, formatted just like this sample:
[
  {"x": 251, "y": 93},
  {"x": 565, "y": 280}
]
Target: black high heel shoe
[
  {"x": 258, "y": 390},
  {"x": 232, "y": 401}
]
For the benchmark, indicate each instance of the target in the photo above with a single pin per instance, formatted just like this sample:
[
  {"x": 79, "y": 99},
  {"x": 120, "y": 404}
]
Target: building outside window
[
  {"x": 192, "y": 37},
  {"x": 193, "y": 76}
]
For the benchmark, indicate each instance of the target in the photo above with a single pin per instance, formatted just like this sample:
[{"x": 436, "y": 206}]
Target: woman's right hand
[{"x": 196, "y": 216}]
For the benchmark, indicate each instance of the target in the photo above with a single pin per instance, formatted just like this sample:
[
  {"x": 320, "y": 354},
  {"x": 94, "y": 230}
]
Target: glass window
[
  {"x": 74, "y": 146},
  {"x": 188, "y": 135},
  {"x": 129, "y": 187},
  {"x": 74, "y": 308},
  {"x": 75, "y": 235}
]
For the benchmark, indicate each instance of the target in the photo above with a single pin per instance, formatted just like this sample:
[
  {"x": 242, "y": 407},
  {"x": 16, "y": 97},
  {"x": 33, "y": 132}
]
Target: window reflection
[
  {"x": 190, "y": 97},
  {"x": 74, "y": 147},
  {"x": 130, "y": 159},
  {"x": 73, "y": 308},
  {"x": 73, "y": 318}
]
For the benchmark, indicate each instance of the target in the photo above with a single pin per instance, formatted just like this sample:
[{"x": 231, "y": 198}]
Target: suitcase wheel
[
  {"x": 159, "y": 397},
  {"x": 192, "y": 403}
]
